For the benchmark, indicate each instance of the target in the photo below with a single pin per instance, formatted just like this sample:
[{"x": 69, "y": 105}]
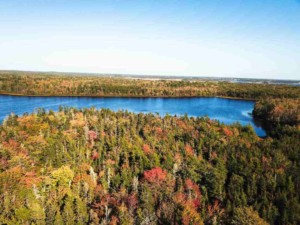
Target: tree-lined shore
[{"x": 39, "y": 84}]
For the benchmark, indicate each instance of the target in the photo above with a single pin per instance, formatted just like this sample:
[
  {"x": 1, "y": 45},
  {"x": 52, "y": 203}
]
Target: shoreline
[
  {"x": 135, "y": 97},
  {"x": 128, "y": 96}
]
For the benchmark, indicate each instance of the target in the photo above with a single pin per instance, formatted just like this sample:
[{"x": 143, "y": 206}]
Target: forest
[
  {"x": 40, "y": 84},
  {"x": 93, "y": 166},
  {"x": 89, "y": 166},
  {"x": 278, "y": 111}
]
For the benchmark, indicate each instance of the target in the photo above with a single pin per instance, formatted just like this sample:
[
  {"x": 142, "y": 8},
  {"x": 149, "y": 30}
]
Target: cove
[{"x": 227, "y": 111}]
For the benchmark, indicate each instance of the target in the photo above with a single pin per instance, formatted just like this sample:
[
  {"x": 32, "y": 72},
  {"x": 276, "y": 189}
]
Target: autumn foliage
[
  {"x": 155, "y": 175},
  {"x": 88, "y": 166},
  {"x": 29, "y": 83}
]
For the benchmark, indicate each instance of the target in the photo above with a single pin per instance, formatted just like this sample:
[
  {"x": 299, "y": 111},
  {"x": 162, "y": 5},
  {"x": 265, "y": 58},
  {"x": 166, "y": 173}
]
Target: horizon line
[{"x": 149, "y": 75}]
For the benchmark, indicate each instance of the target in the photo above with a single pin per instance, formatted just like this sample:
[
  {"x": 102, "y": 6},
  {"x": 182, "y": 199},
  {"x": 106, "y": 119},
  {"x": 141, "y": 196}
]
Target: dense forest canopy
[
  {"x": 71, "y": 85},
  {"x": 278, "y": 111},
  {"x": 88, "y": 166}
]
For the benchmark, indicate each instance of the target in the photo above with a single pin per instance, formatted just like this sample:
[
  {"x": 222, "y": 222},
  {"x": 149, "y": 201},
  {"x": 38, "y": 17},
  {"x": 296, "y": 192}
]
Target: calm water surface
[{"x": 227, "y": 111}]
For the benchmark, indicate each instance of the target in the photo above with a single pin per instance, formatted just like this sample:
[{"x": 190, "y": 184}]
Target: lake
[{"x": 227, "y": 111}]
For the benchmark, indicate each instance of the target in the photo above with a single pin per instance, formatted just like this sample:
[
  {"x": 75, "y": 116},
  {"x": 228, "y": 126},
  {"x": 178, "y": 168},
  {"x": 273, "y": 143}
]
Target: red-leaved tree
[{"x": 155, "y": 175}]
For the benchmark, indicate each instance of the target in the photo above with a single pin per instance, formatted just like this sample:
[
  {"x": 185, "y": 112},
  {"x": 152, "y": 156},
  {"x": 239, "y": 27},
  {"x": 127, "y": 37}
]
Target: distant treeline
[{"x": 63, "y": 85}]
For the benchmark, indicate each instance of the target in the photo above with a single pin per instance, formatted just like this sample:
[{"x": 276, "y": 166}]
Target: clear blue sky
[{"x": 239, "y": 38}]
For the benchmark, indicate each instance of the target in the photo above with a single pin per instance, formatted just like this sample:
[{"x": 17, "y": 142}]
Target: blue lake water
[{"x": 227, "y": 111}]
